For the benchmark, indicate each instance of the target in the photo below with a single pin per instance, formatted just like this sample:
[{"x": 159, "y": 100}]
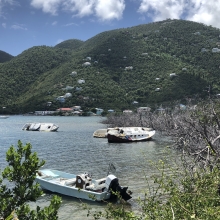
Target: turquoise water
[{"x": 73, "y": 149}]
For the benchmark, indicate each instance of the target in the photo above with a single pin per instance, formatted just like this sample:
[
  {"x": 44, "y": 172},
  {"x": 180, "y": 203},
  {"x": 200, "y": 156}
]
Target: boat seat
[
  {"x": 70, "y": 182},
  {"x": 96, "y": 187},
  {"x": 46, "y": 174},
  {"x": 100, "y": 181}
]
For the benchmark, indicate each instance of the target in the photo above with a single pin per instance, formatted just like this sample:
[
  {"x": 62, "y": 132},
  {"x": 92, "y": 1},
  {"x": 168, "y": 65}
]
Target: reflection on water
[{"x": 73, "y": 149}]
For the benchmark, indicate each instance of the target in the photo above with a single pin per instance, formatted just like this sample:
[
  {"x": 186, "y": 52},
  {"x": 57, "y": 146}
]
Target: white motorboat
[
  {"x": 3, "y": 116},
  {"x": 129, "y": 134},
  {"x": 40, "y": 127},
  {"x": 81, "y": 186},
  {"x": 102, "y": 133}
]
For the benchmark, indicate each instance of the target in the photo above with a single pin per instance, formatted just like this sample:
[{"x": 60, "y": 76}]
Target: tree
[{"x": 17, "y": 186}]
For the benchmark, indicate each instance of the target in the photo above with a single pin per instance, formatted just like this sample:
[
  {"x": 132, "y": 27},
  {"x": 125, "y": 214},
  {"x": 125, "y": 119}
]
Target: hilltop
[
  {"x": 4, "y": 57},
  {"x": 152, "y": 64}
]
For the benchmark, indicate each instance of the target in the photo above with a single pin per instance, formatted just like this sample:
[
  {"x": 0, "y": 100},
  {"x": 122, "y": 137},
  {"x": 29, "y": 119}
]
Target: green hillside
[
  {"x": 4, "y": 57},
  {"x": 150, "y": 52}
]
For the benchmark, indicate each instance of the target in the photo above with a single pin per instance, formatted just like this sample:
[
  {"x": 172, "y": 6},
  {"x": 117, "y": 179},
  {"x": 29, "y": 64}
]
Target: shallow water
[{"x": 73, "y": 149}]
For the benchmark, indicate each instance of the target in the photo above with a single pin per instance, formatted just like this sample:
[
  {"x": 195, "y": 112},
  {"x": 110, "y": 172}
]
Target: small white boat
[
  {"x": 40, "y": 127},
  {"x": 100, "y": 133},
  {"x": 129, "y": 134},
  {"x": 80, "y": 186},
  {"x": 3, "y": 116}
]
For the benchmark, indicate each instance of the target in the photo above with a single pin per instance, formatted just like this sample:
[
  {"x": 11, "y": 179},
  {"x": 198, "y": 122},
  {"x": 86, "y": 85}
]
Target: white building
[
  {"x": 74, "y": 73},
  {"x": 143, "y": 109},
  {"x": 86, "y": 64},
  {"x": 129, "y": 68},
  {"x": 80, "y": 81},
  {"x": 172, "y": 74},
  {"x": 68, "y": 95},
  {"x": 215, "y": 50}
]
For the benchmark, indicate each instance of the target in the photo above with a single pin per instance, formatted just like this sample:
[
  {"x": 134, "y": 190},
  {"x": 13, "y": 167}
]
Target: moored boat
[
  {"x": 40, "y": 127},
  {"x": 3, "y": 116},
  {"x": 81, "y": 186},
  {"x": 130, "y": 134},
  {"x": 100, "y": 133}
]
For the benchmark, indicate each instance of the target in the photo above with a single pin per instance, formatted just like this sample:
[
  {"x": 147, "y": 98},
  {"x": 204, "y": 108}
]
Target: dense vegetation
[
  {"x": 154, "y": 51},
  {"x": 4, "y": 57}
]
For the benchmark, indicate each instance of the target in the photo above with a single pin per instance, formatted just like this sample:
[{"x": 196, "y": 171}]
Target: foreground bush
[
  {"x": 178, "y": 193},
  {"x": 17, "y": 186}
]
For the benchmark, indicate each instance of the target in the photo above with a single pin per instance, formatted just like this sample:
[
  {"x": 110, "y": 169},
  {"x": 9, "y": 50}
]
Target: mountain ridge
[{"x": 151, "y": 51}]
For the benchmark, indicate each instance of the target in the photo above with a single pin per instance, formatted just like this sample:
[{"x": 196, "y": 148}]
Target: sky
[{"x": 28, "y": 23}]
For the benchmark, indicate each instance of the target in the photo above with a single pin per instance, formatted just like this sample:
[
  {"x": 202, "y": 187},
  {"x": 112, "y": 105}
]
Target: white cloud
[
  {"x": 18, "y": 27},
  {"x": 4, "y": 3},
  {"x": 103, "y": 9},
  {"x": 204, "y": 11},
  {"x": 54, "y": 23},
  {"x": 108, "y": 10},
  {"x": 81, "y": 8},
  {"x": 4, "y": 25},
  {"x": 207, "y": 12},
  {"x": 48, "y": 6},
  {"x": 70, "y": 24}
]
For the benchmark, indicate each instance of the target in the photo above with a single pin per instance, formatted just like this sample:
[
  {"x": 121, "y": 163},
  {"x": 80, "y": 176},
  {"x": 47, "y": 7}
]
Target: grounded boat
[
  {"x": 3, "y": 116},
  {"x": 100, "y": 133},
  {"x": 40, "y": 127},
  {"x": 129, "y": 134},
  {"x": 81, "y": 186}
]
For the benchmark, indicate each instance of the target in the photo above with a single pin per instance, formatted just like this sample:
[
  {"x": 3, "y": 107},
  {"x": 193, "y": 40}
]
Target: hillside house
[
  {"x": 44, "y": 112},
  {"x": 197, "y": 33},
  {"x": 68, "y": 88},
  {"x": 76, "y": 108},
  {"x": 64, "y": 110},
  {"x": 88, "y": 58},
  {"x": 111, "y": 111},
  {"x": 74, "y": 73},
  {"x": 143, "y": 109},
  {"x": 157, "y": 89},
  {"x": 135, "y": 103},
  {"x": 61, "y": 99},
  {"x": 129, "y": 68},
  {"x": 172, "y": 75},
  {"x": 86, "y": 64},
  {"x": 157, "y": 79},
  {"x": 80, "y": 81},
  {"x": 215, "y": 50},
  {"x": 68, "y": 95},
  {"x": 99, "y": 111},
  {"x": 78, "y": 89},
  {"x": 127, "y": 111}
]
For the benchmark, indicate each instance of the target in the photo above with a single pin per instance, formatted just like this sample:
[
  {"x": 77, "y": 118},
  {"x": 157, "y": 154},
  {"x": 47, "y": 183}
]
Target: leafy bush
[{"x": 17, "y": 186}]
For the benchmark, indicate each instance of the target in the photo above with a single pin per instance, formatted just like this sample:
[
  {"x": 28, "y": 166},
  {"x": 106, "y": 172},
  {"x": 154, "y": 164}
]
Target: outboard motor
[{"x": 112, "y": 184}]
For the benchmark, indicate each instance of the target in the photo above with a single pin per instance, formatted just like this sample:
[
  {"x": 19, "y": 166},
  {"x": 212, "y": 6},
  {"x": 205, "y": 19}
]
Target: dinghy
[{"x": 81, "y": 186}]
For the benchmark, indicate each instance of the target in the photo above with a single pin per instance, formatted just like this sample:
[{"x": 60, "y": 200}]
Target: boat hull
[
  {"x": 73, "y": 192},
  {"x": 129, "y": 134},
  {"x": 40, "y": 127},
  {"x": 115, "y": 139},
  {"x": 55, "y": 181}
]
